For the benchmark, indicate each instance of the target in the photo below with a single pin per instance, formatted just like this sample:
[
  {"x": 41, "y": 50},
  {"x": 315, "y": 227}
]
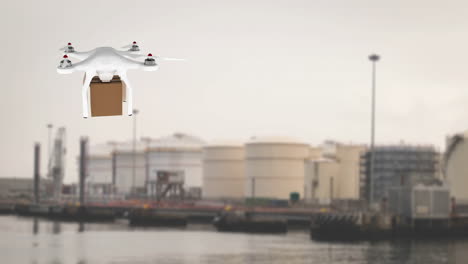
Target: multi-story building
[{"x": 395, "y": 166}]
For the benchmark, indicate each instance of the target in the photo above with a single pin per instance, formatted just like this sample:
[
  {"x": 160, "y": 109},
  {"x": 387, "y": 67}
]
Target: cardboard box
[{"x": 106, "y": 97}]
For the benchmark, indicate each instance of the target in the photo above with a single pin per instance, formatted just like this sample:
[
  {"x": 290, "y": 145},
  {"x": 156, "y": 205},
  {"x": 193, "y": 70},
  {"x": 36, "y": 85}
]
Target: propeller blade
[
  {"x": 63, "y": 48},
  {"x": 172, "y": 59},
  {"x": 134, "y": 56}
]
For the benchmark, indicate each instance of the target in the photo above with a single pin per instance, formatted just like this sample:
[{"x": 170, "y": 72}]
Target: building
[
  {"x": 177, "y": 154},
  {"x": 335, "y": 174},
  {"x": 12, "y": 188},
  {"x": 320, "y": 177},
  {"x": 130, "y": 172},
  {"x": 455, "y": 162},
  {"x": 111, "y": 167},
  {"x": 224, "y": 170},
  {"x": 420, "y": 201},
  {"x": 397, "y": 165},
  {"x": 275, "y": 167},
  {"x": 99, "y": 177}
]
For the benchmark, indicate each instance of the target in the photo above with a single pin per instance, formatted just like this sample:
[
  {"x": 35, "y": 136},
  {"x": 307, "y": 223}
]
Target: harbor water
[{"x": 38, "y": 241}]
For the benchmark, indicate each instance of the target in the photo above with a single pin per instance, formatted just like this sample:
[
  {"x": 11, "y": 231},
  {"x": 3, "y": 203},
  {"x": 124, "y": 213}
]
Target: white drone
[{"x": 106, "y": 62}]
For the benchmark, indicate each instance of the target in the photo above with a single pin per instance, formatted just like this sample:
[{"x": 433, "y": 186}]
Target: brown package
[{"x": 106, "y": 97}]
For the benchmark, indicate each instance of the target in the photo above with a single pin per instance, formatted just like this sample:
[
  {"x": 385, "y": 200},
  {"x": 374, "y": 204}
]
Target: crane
[{"x": 56, "y": 167}]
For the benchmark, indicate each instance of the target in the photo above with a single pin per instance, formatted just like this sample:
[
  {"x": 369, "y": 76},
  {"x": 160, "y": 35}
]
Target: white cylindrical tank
[
  {"x": 456, "y": 166},
  {"x": 349, "y": 173},
  {"x": 223, "y": 170},
  {"x": 99, "y": 169},
  {"x": 315, "y": 153},
  {"x": 179, "y": 153},
  {"x": 275, "y": 167},
  {"x": 125, "y": 180},
  {"x": 99, "y": 164},
  {"x": 321, "y": 180}
]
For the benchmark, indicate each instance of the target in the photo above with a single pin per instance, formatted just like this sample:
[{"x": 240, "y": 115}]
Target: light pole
[
  {"x": 49, "y": 128},
  {"x": 113, "y": 188},
  {"x": 147, "y": 140},
  {"x": 373, "y": 58},
  {"x": 135, "y": 113}
]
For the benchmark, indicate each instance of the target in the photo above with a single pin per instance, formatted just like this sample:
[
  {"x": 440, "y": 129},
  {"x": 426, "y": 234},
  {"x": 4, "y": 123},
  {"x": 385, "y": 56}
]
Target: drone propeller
[
  {"x": 137, "y": 56},
  {"x": 132, "y": 47},
  {"x": 68, "y": 48},
  {"x": 171, "y": 59}
]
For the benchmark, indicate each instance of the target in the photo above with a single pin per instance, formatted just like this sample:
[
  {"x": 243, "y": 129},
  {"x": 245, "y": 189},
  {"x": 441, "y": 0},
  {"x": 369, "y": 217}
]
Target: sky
[{"x": 253, "y": 68}]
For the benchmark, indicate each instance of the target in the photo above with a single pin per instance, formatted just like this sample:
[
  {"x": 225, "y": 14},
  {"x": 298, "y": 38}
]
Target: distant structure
[
  {"x": 124, "y": 181},
  {"x": 177, "y": 160},
  {"x": 184, "y": 166},
  {"x": 99, "y": 180},
  {"x": 398, "y": 165},
  {"x": 275, "y": 167},
  {"x": 56, "y": 165},
  {"x": 110, "y": 166},
  {"x": 420, "y": 202},
  {"x": 224, "y": 170},
  {"x": 334, "y": 173},
  {"x": 456, "y": 166},
  {"x": 22, "y": 188}
]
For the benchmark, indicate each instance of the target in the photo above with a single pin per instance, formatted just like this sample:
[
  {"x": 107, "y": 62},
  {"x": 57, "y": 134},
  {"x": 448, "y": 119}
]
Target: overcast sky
[{"x": 290, "y": 68}]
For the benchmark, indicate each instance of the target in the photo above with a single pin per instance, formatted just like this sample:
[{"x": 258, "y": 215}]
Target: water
[{"x": 28, "y": 240}]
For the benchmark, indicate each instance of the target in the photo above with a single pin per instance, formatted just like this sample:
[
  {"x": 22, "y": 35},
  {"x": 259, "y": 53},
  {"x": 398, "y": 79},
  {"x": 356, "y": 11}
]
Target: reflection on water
[
  {"x": 81, "y": 227},
  {"x": 83, "y": 243},
  {"x": 35, "y": 226}
]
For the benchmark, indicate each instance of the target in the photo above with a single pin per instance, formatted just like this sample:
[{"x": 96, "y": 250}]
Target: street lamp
[
  {"x": 147, "y": 140},
  {"x": 373, "y": 58},
  {"x": 113, "y": 184},
  {"x": 135, "y": 113},
  {"x": 49, "y": 128}
]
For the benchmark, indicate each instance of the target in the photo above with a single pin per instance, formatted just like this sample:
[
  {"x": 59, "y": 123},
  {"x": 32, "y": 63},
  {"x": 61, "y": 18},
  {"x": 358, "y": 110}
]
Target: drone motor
[
  {"x": 134, "y": 47},
  {"x": 150, "y": 61},
  {"x": 65, "y": 63}
]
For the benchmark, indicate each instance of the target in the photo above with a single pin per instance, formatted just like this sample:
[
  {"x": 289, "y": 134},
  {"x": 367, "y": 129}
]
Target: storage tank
[
  {"x": 456, "y": 166},
  {"x": 125, "y": 183},
  {"x": 224, "y": 170},
  {"x": 349, "y": 180},
  {"x": 321, "y": 180},
  {"x": 275, "y": 167},
  {"x": 315, "y": 153},
  {"x": 179, "y": 154},
  {"x": 99, "y": 169}
]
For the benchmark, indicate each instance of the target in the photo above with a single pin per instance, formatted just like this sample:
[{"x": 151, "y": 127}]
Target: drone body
[{"x": 105, "y": 62}]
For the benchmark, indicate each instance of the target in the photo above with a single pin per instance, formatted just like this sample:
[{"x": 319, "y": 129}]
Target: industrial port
[{"x": 264, "y": 184}]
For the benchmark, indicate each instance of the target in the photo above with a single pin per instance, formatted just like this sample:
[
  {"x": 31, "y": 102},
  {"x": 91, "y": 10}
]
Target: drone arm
[
  {"x": 79, "y": 55},
  {"x": 128, "y": 92},
  {"x": 84, "y": 92},
  {"x": 79, "y": 66}
]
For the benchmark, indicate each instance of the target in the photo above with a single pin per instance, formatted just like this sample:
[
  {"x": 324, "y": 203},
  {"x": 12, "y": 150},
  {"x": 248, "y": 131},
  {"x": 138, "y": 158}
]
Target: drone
[{"x": 105, "y": 62}]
